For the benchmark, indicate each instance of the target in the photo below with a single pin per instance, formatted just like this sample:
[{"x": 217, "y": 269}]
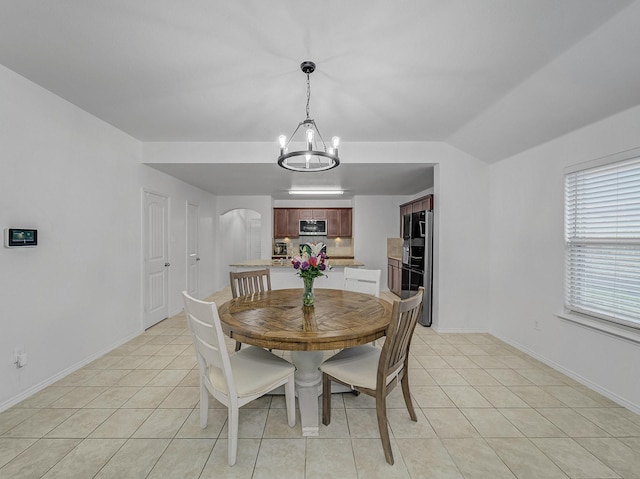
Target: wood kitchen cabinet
[
  {"x": 339, "y": 222},
  {"x": 311, "y": 214},
  {"x": 394, "y": 275},
  {"x": 285, "y": 223},
  {"x": 420, "y": 204}
]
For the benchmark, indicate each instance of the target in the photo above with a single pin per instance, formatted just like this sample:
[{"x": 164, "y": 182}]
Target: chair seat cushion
[
  {"x": 355, "y": 366},
  {"x": 254, "y": 370}
]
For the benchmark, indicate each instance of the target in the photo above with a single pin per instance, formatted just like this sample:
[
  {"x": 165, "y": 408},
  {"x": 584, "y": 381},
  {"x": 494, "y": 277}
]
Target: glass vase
[{"x": 308, "y": 298}]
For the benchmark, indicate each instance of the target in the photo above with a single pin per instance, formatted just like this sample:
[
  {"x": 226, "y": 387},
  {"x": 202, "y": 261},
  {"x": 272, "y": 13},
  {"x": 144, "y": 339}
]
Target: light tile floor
[{"x": 485, "y": 410}]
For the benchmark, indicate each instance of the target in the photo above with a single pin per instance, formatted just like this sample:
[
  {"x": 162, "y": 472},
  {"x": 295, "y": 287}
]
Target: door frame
[{"x": 189, "y": 203}]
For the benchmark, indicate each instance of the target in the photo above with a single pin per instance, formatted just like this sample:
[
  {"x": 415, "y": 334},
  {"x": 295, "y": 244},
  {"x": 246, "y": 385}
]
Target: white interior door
[
  {"x": 156, "y": 258},
  {"x": 193, "y": 257}
]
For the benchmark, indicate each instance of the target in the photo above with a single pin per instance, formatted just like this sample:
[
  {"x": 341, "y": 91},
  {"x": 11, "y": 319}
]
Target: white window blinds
[{"x": 602, "y": 232}]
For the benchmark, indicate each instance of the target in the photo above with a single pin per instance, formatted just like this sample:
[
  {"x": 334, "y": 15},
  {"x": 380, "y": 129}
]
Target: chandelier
[{"x": 316, "y": 156}]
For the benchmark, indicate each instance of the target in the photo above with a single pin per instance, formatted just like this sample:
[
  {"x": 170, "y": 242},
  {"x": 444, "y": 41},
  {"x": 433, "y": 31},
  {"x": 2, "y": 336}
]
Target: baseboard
[
  {"x": 56, "y": 377},
  {"x": 459, "y": 330},
  {"x": 573, "y": 375}
]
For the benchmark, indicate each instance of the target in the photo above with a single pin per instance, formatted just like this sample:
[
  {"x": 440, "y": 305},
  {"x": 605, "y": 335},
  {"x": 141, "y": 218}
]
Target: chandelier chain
[{"x": 308, "y": 94}]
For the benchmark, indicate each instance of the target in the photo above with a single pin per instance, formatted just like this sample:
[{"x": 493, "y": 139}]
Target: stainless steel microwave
[{"x": 313, "y": 228}]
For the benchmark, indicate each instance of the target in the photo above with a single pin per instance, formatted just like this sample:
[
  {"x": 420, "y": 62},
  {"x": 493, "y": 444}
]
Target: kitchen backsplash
[
  {"x": 394, "y": 247},
  {"x": 335, "y": 246}
]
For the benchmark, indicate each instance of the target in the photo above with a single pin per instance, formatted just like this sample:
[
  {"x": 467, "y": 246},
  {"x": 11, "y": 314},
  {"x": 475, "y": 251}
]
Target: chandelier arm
[
  {"x": 324, "y": 145},
  {"x": 294, "y": 133}
]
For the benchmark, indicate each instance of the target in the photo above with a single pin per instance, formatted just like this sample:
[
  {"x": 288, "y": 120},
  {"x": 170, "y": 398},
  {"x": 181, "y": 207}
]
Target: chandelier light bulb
[
  {"x": 283, "y": 141},
  {"x": 310, "y": 139},
  {"x": 335, "y": 141}
]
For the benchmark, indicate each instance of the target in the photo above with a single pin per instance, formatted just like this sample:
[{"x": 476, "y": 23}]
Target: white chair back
[
  {"x": 208, "y": 340},
  {"x": 362, "y": 281}
]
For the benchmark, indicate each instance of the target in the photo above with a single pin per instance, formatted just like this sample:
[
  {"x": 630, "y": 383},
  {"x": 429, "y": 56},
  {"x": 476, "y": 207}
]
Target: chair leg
[
  {"x": 238, "y": 345},
  {"x": 290, "y": 399},
  {"x": 407, "y": 396},
  {"x": 326, "y": 399},
  {"x": 381, "y": 412},
  {"x": 204, "y": 405},
  {"x": 233, "y": 435}
]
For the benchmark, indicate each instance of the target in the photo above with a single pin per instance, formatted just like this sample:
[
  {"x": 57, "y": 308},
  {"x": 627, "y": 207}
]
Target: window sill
[{"x": 608, "y": 327}]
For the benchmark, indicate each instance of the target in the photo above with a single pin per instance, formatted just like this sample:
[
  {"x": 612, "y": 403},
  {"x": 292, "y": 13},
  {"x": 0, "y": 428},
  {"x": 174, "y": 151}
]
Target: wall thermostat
[{"x": 20, "y": 237}]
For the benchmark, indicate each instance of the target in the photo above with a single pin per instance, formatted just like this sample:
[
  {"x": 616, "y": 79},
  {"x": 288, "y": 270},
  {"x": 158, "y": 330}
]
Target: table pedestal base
[{"x": 308, "y": 387}]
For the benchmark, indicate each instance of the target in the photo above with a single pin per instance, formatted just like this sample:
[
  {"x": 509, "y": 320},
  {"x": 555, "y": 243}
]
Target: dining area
[
  {"x": 481, "y": 408},
  {"x": 309, "y": 326}
]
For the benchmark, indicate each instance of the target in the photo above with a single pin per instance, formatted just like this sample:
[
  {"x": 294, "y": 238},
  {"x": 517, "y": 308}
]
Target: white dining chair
[
  {"x": 235, "y": 379},
  {"x": 377, "y": 371},
  {"x": 362, "y": 280}
]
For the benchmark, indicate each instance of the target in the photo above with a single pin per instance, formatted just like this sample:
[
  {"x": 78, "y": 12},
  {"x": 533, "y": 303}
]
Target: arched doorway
[{"x": 241, "y": 231}]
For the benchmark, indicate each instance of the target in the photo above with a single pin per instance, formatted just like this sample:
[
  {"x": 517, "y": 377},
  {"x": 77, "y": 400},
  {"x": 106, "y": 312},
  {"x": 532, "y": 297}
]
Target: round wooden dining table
[{"x": 277, "y": 320}]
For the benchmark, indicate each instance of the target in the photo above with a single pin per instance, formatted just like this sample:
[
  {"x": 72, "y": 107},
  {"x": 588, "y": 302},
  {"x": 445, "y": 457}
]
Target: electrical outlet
[{"x": 19, "y": 357}]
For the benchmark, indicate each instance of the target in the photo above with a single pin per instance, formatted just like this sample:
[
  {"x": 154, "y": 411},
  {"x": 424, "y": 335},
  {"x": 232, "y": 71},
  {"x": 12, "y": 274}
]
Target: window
[{"x": 602, "y": 234}]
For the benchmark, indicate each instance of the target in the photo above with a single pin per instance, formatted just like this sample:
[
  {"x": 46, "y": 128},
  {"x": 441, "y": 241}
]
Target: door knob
[
  {"x": 167, "y": 265},
  {"x": 197, "y": 259}
]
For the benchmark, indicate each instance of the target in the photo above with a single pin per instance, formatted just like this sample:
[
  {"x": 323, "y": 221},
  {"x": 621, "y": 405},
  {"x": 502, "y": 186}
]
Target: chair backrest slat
[
  {"x": 246, "y": 283},
  {"x": 362, "y": 280},
  {"x": 395, "y": 350}
]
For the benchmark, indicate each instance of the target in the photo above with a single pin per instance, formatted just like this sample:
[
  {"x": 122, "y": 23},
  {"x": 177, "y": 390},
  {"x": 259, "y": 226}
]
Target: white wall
[
  {"x": 375, "y": 218},
  {"x": 461, "y": 243},
  {"x": 73, "y": 178},
  {"x": 527, "y": 260},
  {"x": 78, "y": 181}
]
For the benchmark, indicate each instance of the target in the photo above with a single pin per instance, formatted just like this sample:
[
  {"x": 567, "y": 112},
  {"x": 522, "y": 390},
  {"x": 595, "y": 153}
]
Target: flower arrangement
[{"x": 311, "y": 262}]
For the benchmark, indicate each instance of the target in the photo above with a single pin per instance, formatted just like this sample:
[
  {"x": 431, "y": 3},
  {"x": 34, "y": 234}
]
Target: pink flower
[{"x": 313, "y": 261}]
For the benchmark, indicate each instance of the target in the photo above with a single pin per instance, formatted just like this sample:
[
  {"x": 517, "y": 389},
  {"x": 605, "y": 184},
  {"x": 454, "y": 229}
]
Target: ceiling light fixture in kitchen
[
  {"x": 316, "y": 192},
  {"x": 311, "y": 157}
]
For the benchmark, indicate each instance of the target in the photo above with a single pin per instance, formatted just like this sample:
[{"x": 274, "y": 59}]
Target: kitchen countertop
[
  {"x": 276, "y": 263},
  {"x": 399, "y": 258}
]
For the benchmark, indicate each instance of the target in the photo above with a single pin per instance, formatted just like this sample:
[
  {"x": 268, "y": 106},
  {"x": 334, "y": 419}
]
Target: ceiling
[
  {"x": 359, "y": 178},
  {"x": 491, "y": 77}
]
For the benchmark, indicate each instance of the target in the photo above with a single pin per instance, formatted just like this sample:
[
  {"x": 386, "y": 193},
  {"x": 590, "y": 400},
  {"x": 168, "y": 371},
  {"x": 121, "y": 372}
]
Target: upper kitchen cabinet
[
  {"x": 339, "y": 223},
  {"x": 311, "y": 214},
  {"x": 421, "y": 204},
  {"x": 285, "y": 223}
]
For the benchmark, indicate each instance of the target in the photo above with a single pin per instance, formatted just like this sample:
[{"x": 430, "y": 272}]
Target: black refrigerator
[{"x": 417, "y": 260}]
